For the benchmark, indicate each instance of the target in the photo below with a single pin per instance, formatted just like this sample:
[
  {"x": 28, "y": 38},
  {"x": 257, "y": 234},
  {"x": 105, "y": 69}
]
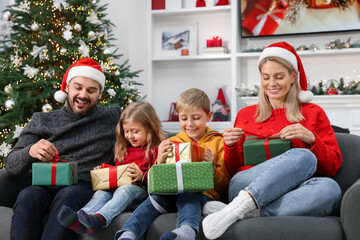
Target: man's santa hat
[
  {"x": 85, "y": 67},
  {"x": 288, "y": 53}
]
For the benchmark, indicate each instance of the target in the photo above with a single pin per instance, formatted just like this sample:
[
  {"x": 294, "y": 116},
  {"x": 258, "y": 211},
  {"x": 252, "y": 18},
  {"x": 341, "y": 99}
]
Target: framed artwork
[
  {"x": 288, "y": 17},
  {"x": 170, "y": 39}
]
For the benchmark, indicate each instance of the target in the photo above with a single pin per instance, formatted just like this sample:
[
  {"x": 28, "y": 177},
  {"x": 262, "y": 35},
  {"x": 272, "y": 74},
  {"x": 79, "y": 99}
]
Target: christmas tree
[{"x": 40, "y": 39}]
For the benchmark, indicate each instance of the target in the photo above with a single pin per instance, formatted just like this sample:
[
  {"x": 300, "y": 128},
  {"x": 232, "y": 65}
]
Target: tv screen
[{"x": 284, "y": 17}]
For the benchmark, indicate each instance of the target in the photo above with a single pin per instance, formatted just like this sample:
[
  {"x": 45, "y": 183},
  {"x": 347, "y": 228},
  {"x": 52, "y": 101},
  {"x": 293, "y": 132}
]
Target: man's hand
[
  {"x": 134, "y": 172},
  {"x": 43, "y": 150}
]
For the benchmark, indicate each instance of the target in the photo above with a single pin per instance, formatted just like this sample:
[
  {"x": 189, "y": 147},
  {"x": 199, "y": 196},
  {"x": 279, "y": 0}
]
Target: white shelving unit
[{"x": 167, "y": 77}]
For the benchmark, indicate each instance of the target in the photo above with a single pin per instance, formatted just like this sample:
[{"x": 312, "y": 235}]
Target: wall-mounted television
[{"x": 284, "y": 17}]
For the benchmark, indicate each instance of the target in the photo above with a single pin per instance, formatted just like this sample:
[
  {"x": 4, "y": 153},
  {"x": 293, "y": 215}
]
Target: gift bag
[
  {"x": 109, "y": 177},
  {"x": 55, "y": 173}
]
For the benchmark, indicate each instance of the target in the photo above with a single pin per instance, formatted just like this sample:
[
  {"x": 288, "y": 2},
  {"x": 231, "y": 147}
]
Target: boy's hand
[
  {"x": 97, "y": 167},
  {"x": 232, "y": 136},
  {"x": 134, "y": 172},
  {"x": 164, "y": 149},
  {"x": 43, "y": 150},
  {"x": 208, "y": 156}
]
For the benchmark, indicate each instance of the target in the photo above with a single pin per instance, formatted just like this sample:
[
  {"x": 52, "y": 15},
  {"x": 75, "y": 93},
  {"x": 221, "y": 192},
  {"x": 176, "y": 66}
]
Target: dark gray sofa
[{"x": 344, "y": 224}]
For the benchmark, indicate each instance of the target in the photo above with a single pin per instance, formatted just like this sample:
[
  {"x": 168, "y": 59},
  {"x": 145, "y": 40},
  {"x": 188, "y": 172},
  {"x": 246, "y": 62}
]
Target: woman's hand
[
  {"x": 134, "y": 172},
  {"x": 164, "y": 149},
  {"x": 232, "y": 136},
  {"x": 298, "y": 131},
  {"x": 208, "y": 156}
]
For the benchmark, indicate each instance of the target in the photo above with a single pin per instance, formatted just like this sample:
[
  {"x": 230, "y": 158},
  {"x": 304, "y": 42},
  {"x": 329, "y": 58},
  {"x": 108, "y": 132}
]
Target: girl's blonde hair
[
  {"x": 143, "y": 113},
  {"x": 292, "y": 105},
  {"x": 193, "y": 98}
]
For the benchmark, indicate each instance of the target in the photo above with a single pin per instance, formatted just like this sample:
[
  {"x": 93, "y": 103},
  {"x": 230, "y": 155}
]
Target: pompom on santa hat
[
  {"x": 288, "y": 53},
  {"x": 85, "y": 67}
]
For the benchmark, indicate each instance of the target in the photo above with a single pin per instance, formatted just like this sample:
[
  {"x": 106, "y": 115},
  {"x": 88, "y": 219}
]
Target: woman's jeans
[
  {"x": 111, "y": 204},
  {"x": 34, "y": 202},
  {"x": 189, "y": 207},
  {"x": 282, "y": 186}
]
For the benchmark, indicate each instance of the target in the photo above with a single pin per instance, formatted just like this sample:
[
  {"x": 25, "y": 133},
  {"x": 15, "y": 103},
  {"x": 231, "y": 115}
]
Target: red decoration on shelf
[
  {"x": 332, "y": 91},
  {"x": 184, "y": 52},
  {"x": 222, "y": 2},
  {"x": 210, "y": 42},
  {"x": 217, "y": 41},
  {"x": 221, "y": 111},
  {"x": 158, "y": 4},
  {"x": 200, "y": 3}
]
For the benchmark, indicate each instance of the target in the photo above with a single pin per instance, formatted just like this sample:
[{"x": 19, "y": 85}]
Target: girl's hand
[
  {"x": 232, "y": 136},
  {"x": 134, "y": 172},
  {"x": 164, "y": 149},
  {"x": 97, "y": 167},
  {"x": 208, "y": 156},
  {"x": 298, "y": 131}
]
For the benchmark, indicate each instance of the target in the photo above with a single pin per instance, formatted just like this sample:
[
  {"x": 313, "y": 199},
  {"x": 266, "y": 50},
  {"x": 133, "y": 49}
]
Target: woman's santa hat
[
  {"x": 288, "y": 53},
  {"x": 85, "y": 67}
]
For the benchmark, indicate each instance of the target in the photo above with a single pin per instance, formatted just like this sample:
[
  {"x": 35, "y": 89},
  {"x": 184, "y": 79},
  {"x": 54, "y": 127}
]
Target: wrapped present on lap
[
  {"x": 258, "y": 149},
  {"x": 55, "y": 173},
  {"x": 185, "y": 151},
  {"x": 175, "y": 178},
  {"x": 109, "y": 177}
]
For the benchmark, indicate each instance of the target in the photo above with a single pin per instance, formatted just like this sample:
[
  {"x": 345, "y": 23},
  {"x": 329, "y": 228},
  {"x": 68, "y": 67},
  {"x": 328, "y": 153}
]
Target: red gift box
[{"x": 264, "y": 18}]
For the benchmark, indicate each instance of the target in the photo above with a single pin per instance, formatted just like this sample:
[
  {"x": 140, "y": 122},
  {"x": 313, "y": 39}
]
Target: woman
[{"x": 283, "y": 185}]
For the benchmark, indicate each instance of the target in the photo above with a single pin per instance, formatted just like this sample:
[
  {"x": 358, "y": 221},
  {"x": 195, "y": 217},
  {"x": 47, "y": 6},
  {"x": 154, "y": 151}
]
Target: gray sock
[
  {"x": 185, "y": 232},
  {"x": 127, "y": 235}
]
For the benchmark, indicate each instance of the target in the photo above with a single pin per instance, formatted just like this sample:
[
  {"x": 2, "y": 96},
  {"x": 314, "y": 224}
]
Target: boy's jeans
[
  {"x": 189, "y": 207},
  {"x": 109, "y": 204},
  {"x": 282, "y": 186}
]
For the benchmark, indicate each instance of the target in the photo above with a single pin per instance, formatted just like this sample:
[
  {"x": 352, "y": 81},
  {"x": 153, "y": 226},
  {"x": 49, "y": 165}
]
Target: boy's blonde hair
[
  {"x": 143, "y": 113},
  {"x": 193, "y": 98},
  {"x": 291, "y": 104}
]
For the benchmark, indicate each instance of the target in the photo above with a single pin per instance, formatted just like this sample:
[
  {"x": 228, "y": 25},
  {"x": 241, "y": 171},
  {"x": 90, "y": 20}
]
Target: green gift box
[
  {"x": 259, "y": 149},
  {"x": 54, "y": 173},
  {"x": 174, "y": 178}
]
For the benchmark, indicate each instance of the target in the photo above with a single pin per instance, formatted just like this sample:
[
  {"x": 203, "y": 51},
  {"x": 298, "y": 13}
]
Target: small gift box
[
  {"x": 258, "y": 149},
  {"x": 189, "y": 151},
  {"x": 56, "y": 173},
  {"x": 264, "y": 18},
  {"x": 175, "y": 178},
  {"x": 108, "y": 177}
]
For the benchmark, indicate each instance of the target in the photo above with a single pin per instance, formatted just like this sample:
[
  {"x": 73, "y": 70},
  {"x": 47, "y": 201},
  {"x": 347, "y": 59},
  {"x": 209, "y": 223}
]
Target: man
[{"x": 82, "y": 132}]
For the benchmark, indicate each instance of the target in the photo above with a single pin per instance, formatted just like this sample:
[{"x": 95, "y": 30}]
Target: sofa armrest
[
  {"x": 11, "y": 186},
  {"x": 350, "y": 212}
]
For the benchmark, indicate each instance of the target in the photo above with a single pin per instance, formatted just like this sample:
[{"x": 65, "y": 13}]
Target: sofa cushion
[{"x": 5, "y": 222}]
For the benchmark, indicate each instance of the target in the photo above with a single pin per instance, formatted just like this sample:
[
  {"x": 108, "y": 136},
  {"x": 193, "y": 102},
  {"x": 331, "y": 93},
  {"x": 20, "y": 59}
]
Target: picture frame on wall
[{"x": 170, "y": 40}]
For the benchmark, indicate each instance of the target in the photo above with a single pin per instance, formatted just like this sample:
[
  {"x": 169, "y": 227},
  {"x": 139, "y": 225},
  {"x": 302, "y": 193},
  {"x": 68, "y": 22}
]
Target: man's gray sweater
[{"x": 88, "y": 140}]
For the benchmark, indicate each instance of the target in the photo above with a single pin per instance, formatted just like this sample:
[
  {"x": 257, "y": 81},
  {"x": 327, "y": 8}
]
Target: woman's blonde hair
[
  {"x": 192, "y": 98},
  {"x": 143, "y": 113},
  {"x": 292, "y": 105}
]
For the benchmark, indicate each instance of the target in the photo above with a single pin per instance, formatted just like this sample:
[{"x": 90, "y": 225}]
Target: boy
[{"x": 193, "y": 108}]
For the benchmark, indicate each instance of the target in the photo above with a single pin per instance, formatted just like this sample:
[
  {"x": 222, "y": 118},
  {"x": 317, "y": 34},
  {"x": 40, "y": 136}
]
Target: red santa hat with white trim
[
  {"x": 288, "y": 53},
  {"x": 85, "y": 67}
]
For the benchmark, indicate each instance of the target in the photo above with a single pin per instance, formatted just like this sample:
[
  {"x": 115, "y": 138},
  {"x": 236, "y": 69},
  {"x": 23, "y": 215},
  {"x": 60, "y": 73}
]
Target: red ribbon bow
[
  {"x": 266, "y": 142},
  {"x": 112, "y": 174},
  {"x": 53, "y": 169},
  {"x": 177, "y": 151}
]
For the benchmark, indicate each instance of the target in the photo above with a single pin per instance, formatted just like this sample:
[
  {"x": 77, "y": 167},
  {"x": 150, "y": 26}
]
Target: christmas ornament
[
  {"x": 77, "y": 27},
  {"x": 8, "y": 88},
  {"x": 16, "y": 60},
  {"x": 63, "y": 50},
  {"x": 91, "y": 34},
  {"x": 222, "y": 2},
  {"x": 221, "y": 111},
  {"x": 30, "y": 72},
  {"x": 6, "y": 15},
  {"x": 5, "y": 149},
  {"x": 107, "y": 51},
  {"x": 67, "y": 35},
  {"x": 18, "y": 130},
  {"x": 92, "y": 18},
  {"x": 9, "y": 104},
  {"x": 58, "y": 3},
  {"x": 35, "y": 27},
  {"x": 200, "y": 3},
  {"x": 117, "y": 73},
  {"x": 46, "y": 108},
  {"x": 6, "y": 28},
  {"x": 111, "y": 92},
  {"x": 39, "y": 51},
  {"x": 84, "y": 49},
  {"x": 25, "y": 6}
]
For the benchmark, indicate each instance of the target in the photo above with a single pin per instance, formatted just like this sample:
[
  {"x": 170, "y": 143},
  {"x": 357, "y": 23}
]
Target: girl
[
  {"x": 138, "y": 133},
  {"x": 283, "y": 185}
]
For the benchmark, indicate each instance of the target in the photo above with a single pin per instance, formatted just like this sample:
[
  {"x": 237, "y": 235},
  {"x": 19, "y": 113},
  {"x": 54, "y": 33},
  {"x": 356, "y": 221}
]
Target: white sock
[
  {"x": 217, "y": 223},
  {"x": 212, "y": 206}
]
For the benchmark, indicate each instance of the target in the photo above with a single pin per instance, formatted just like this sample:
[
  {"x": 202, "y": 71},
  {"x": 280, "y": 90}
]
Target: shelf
[
  {"x": 193, "y": 57},
  {"x": 307, "y": 52},
  {"x": 218, "y": 126},
  {"x": 189, "y": 11}
]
